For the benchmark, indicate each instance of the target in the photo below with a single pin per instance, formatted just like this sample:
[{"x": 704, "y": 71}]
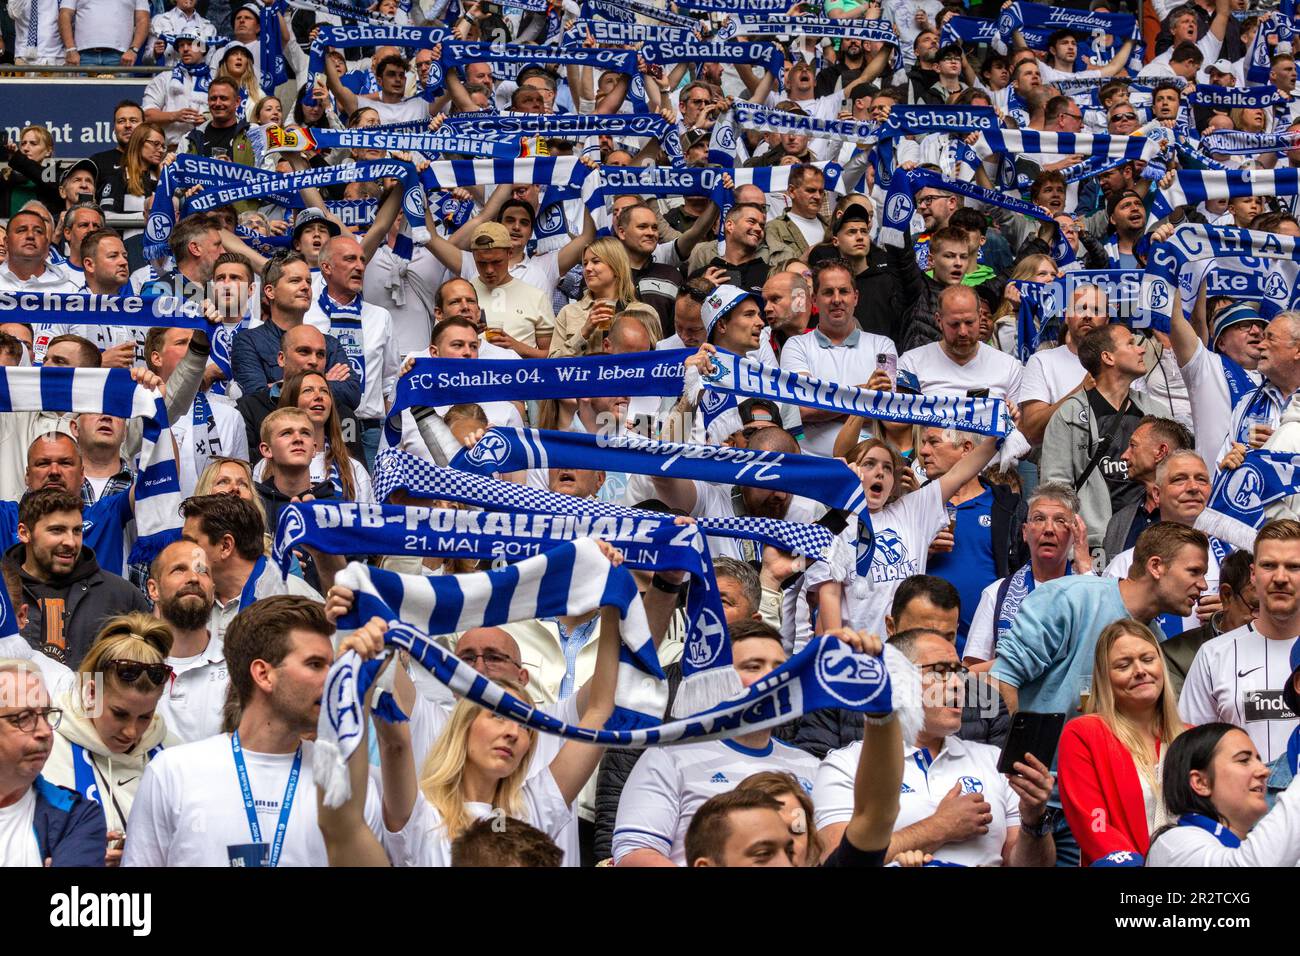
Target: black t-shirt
[
  {"x": 656, "y": 285},
  {"x": 679, "y": 219},
  {"x": 749, "y": 276},
  {"x": 220, "y": 140},
  {"x": 847, "y": 855},
  {"x": 832, "y": 75},
  {"x": 1123, "y": 492}
]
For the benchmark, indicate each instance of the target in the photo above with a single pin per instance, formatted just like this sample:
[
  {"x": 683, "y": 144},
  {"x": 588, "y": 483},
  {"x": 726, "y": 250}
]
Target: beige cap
[{"x": 490, "y": 235}]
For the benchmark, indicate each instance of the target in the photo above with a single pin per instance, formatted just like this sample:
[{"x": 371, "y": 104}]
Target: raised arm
[
  {"x": 571, "y": 254},
  {"x": 879, "y": 777},
  {"x": 968, "y": 468},
  {"x": 576, "y": 762},
  {"x": 344, "y": 97}
]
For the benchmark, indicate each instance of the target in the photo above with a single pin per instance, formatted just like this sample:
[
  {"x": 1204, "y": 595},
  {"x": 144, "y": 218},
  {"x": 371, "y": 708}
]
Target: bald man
[{"x": 301, "y": 350}]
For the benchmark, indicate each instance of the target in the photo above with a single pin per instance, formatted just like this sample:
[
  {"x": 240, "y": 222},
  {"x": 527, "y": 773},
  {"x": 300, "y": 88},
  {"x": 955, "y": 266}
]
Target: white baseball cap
[{"x": 720, "y": 302}]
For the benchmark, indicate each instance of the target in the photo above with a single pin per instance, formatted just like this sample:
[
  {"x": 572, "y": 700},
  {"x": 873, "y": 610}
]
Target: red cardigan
[{"x": 1100, "y": 792}]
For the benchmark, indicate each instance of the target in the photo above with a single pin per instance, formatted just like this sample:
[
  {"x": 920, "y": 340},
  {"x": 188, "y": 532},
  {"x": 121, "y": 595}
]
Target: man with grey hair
[
  {"x": 1151, "y": 443},
  {"x": 1258, "y": 413},
  {"x": 40, "y": 824},
  {"x": 984, "y": 539},
  {"x": 1058, "y": 545},
  {"x": 1180, "y": 493},
  {"x": 739, "y": 588}
]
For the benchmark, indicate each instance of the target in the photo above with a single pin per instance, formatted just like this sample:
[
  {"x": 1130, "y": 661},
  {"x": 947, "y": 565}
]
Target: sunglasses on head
[{"x": 128, "y": 672}]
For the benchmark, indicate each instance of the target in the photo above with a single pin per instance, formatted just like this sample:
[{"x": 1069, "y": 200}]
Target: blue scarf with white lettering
[
  {"x": 368, "y": 34},
  {"x": 1239, "y": 381},
  {"x": 767, "y": 120},
  {"x": 444, "y": 140},
  {"x": 456, "y": 53},
  {"x": 1263, "y": 478},
  {"x": 606, "y": 32},
  {"x": 1224, "y": 97},
  {"x": 1042, "y": 304},
  {"x": 767, "y": 55},
  {"x": 744, "y": 7},
  {"x": 625, "y": 11},
  {"x": 569, "y": 126},
  {"x": 1193, "y": 242},
  {"x": 399, "y": 471},
  {"x": 1216, "y": 829},
  {"x": 647, "y": 545},
  {"x": 1024, "y": 16},
  {"x": 1232, "y": 142},
  {"x": 84, "y": 308}
]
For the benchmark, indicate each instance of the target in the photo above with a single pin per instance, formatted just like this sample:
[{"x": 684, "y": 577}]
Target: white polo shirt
[
  {"x": 374, "y": 357},
  {"x": 990, "y": 369},
  {"x": 926, "y": 782},
  {"x": 175, "y": 22},
  {"x": 104, "y": 23},
  {"x": 669, "y": 784},
  {"x": 196, "y": 694},
  {"x": 850, "y": 363},
  {"x": 1238, "y": 678}
]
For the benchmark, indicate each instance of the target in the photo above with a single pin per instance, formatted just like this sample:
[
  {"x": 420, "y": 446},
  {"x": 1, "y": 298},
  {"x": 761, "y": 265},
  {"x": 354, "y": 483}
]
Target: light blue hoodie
[{"x": 1050, "y": 647}]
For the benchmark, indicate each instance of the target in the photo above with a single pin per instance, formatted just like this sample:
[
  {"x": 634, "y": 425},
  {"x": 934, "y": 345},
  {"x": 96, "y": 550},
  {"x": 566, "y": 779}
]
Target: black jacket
[
  {"x": 822, "y": 731},
  {"x": 1010, "y": 553},
  {"x": 618, "y": 762},
  {"x": 64, "y": 615},
  {"x": 882, "y": 295}
]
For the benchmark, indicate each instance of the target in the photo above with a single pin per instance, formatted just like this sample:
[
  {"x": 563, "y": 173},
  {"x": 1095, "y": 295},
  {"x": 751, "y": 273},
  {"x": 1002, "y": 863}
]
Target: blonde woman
[
  {"x": 1032, "y": 268},
  {"x": 22, "y": 180},
  {"x": 796, "y": 807},
  {"x": 479, "y": 765},
  {"x": 237, "y": 65},
  {"x": 111, "y": 727},
  {"x": 607, "y": 275},
  {"x": 126, "y": 190},
  {"x": 1111, "y": 759}
]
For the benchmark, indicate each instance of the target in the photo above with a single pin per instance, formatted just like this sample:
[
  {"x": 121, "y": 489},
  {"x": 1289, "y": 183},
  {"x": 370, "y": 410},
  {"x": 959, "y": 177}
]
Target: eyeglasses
[
  {"x": 698, "y": 101},
  {"x": 155, "y": 142},
  {"x": 490, "y": 659},
  {"x": 944, "y": 669},
  {"x": 128, "y": 672},
  {"x": 1055, "y": 520},
  {"x": 25, "y": 720},
  {"x": 1125, "y": 117}
]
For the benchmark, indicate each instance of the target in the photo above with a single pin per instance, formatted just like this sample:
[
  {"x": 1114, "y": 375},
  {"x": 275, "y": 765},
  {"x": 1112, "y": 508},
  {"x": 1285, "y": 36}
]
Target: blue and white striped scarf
[
  {"x": 824, "y": 674},
  {"x": 457, "y": 53},
  {"x": 743, "y": 7},
  {"x": 900, "y": 205},
  {"x": 1191, "y": 187},
  {"x": 647, "y": 544},
  {"x": 1017, "y": 142},
  {"x": 397, "y": 470},
  {"x": 782, "y": 25},
  {"x": 84, "y": 391}
]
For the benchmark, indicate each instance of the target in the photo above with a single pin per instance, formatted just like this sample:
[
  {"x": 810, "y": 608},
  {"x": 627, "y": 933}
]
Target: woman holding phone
[
  {"x": 1111, "y": 759},
  {"x": 1215, "y": 787}
]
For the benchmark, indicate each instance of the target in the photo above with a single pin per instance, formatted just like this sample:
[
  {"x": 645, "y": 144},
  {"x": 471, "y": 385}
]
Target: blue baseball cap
[
  {"x": 1233, "y": 314},
  {"x": 1120, "y": 858}
]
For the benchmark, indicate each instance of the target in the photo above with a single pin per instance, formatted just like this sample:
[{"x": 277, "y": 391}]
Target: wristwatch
[
  {"x": 663, "y": 584},
  {"x": 1044, "y": 826}
]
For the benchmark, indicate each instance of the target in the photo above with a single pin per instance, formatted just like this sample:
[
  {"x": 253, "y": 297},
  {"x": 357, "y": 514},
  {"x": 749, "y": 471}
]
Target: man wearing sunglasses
[
  {"x": 954, "y": 803},
  {"x": 40, "y": 824}
]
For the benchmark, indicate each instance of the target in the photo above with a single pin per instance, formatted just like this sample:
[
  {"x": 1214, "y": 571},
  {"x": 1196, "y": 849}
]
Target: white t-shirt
[
  {"x": 903, "y": 531},
  {"x": 541, "y": 271},
  {"x": 990, "y": 369},
  {"x": 981, "y": 637},
  {"x": 521, "y": 310},
  {"x": 925, "y": 783},
  {"x": 814, "y": 231},
  {"x": 18, "y": 845},
  {"x": 1238, "y": 677},
  {"x": 104, "y": 23},
  {"x": 851, "y": 363},
  {"x": 189, "y": 808},
  {"x": 423, "y": 841},
  {"x": 195, "y": 452},
  {"x": 407, "y": 111},
  {"x": 1050, "y": 375},
  {"x": 167, "y": 93},
  {"x": 669, "y": 784}
]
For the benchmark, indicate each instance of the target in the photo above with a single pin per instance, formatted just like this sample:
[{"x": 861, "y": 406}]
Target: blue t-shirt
[
  {"x": 103, "y": 529},
  {"x": 969, "y": 565}
]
